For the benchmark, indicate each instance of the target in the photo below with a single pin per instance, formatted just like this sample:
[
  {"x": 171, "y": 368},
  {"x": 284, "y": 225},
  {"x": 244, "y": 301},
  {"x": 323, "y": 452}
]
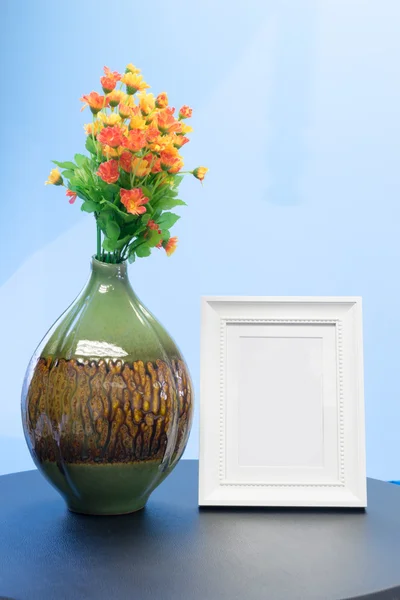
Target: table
[{"x": 173, "y": 550}]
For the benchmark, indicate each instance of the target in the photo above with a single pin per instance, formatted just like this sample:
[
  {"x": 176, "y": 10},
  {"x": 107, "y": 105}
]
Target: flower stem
[{"x": 98, "y": 240}]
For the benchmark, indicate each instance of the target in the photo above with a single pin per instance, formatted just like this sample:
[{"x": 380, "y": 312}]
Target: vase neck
[{"x": 108, "y": 271}]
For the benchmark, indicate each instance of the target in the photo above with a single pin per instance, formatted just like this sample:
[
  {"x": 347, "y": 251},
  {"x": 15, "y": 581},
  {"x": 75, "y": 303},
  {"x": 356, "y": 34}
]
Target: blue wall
[{"x": 297, "y": 116}]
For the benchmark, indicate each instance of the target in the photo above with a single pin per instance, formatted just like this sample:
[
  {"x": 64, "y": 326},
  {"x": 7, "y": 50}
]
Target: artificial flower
[
  {"x": 154, "y": 226},
  {"x": 180, "y": 140},
  {"x": 71, "y": 195},
  {"x": 170, "y": 160},
  {"x": 135, "y": 140},
  {"x": 185, "y": 112},
  {"x": 93, "y": 128},
  {"x": 140, "y": 167},
  {"x": 170, "y": 245},
  {"x": 200, "y": 172},
  {"x": 124, "y": 110},
  {"x": 109, "y": 120},
  {"x": 184, "y": 129},
  {"x": 134, "y": 201},
  {"x": 146, "y": 103},
  {"x": 153, "y": 162},
  {"x": 112, "y": 74},
  {"x": 108, "y": 171},
  {"x": 131, "y": 69},
  {"x": 94, "y": 101},
  {"x": 108, "y": 84},
  {"x": 137, "y": 121},
  {"x": 162, "y": 100},
  {"x": 152, "y": 134},
  {"x": 54, "y": 178},
  {"x": 166, "y": 122},
  {"x": 115, "y": 98},
  {"x": 109, "y": 152},
  {"x": 125, "y": 161},
  {"x": 111, "y": 136},
  {"x": 134, "y": 82}
]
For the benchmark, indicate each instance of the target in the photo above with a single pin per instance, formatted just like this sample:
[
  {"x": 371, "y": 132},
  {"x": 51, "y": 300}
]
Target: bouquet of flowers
[{"x": 131, "y": 177}]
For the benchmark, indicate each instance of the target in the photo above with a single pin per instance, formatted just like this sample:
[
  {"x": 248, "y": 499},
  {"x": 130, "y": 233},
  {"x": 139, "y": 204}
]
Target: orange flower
[
  {"x": 171, "y": 245},
  {"x": 140, "y": 167},
  {"x": 180, "y": 141},
  {"x": 134, "y": 82},
  {"x": 185, "y": 112},
  {"x": 153, "y": 162},
  {"x": 166, "y": 122},
  {"x": 184, "y": 129},
  {"x": 152, "y": 134},
  {"x": 111, "y": 136},
  {"x": 115, "y": 97},
  {"x": 124, "y": 110},
  {"x": 108, "y": 84},
  {"x": 108, "y": 171},
  {"x": 71, "y": 195},
  {"x": 133, "y": 200},
  {"x": 200, "y": 172},
  {"x": 162, "y": 100},
  {"x": 170, "y": 160},
  {"x": 54, "y": 178},
  {"x": 125, "y": 161},
  {"x": 147, "y": 103},
  {"x": 113, "y": 74},
  {"x": 94, "y": 101},
  {"x": 135, "y": 140}
]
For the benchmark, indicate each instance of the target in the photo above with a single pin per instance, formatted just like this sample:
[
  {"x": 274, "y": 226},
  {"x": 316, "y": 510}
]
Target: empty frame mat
[{"x": 282, "y": 415}]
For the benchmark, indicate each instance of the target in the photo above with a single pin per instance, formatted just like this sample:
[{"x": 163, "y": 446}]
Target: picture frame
[{"x": 282, "y": 402}]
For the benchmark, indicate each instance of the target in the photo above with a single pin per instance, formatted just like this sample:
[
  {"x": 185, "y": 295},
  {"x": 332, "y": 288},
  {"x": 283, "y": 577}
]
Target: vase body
[{"x": 107, "y": 399}]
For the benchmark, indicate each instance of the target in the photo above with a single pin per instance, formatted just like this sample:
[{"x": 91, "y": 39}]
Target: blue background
[{"x": 296, "y": 113}]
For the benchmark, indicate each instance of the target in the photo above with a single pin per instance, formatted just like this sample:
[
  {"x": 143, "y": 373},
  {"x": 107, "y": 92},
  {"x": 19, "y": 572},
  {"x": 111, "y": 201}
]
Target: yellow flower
[
  {"x": 131, "y": 69},
  {"x": 147, "y": 103},
  {"x": 93, "y": 128},
  {"x": 54, "y": 178},
  {"x": 116, "y": 97},
  {"x": 185, "y": 129},
  {"x": 134, "y": 83},
  {"x": 140, "y": 167},
  {"x": 162, "y": 100},
  {"x": 112, "y": 152},
  {"x": 109, "y": 120},
  {"x": 200, "y": 172},
  {"x": 137, "y": 122}
]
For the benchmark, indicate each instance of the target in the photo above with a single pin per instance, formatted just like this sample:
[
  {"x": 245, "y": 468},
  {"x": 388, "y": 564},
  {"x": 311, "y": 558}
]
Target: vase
[{"x": 107, "y": 399}]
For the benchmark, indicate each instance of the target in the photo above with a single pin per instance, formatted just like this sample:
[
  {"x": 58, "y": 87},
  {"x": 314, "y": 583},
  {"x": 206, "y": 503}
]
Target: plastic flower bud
[{"x": 54, "y": 178}]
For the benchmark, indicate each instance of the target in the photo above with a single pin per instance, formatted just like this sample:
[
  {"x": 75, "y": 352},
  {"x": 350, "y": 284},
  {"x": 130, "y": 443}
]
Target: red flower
[
  {"x": 111, "y": 136},
  {"x": 166, "y": 122},
  {"x": 108, "y": 171},
  {"x": 135, "y": 141},
  {"x": 152, "y": 225},
  {"x": 125, "y": 160},
  {"x": 113, "y": 74},
  {"x": 133, "y": 200},
  {"x": 180, "y": 140},
  {"x": 71, "y": 195}
]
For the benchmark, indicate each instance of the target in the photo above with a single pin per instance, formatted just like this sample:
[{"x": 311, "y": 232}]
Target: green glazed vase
[{"x": 107, "y": 399}]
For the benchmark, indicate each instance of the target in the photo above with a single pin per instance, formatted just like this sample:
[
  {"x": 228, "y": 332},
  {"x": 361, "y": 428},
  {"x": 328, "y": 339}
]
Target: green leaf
[
  {"x": 109, "y": 245},
  {"x": 166, "y": 203},
  {"x": 145, "y": 219},
  {"x": 90, "y": 145},
  {"x": 89, "y": 206},
  {"x": 80, "y": 159},
  {"x": 68, "y": 173},
  {"x": 109, "y": 191},
  {"x": 177, "y": 180},
  {"x": 64, "y": 165},
  {"x": 112, "y": 230},
  {"x": 167, "y": 220},
  {"x": 143, "y": 250}
]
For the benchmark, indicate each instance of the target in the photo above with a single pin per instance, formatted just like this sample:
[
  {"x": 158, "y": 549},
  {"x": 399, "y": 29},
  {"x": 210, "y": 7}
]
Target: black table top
[{"x": 173, "y": 550}]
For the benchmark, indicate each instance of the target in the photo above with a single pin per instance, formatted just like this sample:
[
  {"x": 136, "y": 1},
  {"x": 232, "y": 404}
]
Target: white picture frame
[{"x": 282, "y": 402}]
